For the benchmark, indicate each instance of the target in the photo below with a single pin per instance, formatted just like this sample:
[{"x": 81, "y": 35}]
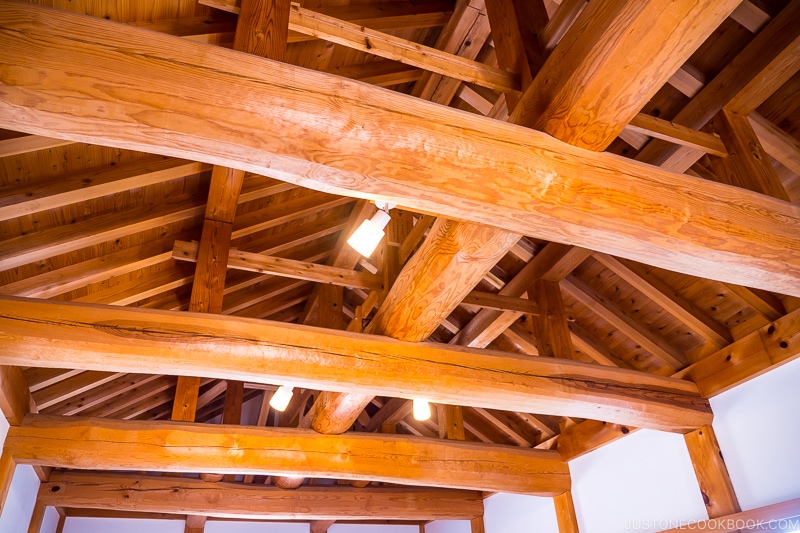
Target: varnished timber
[
  {"x": 149, "y": 341},
  {"x": 777, "y": 143},
  {"x": 29, "y": 143},
  {"x": 677, "y": 134},
  {"x": 37, "y": 517},
  {"x": 565, "y": 513},
  {"x": 678, "y": 232},
  {"x": 74, "y": 442},
  {"x": 81, "y": 186},
  {"x": 182, "y": 496},
  {"x": 408, "y": 52},
  {"x": 453, "y": 258},
  {"x": 765, "y": 64},
  {"x": 715, "y": 484},
  {"x": 580, "y": 83},
  {"x": 7, "y": 468},
  {"x": 769, "y": 516},
  {"x": 290, "y": 268},
  {"x": 15, "y": 397}
]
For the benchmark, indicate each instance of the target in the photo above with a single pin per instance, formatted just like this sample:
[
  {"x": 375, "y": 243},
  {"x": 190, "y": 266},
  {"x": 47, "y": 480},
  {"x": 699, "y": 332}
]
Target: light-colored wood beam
[
  {"x": 732, "y": 252},
  {"x": 677, "y": 134},
  {"x": 565, "y": 513},
  {"x": 29, "y": 143},
  {"x": 74, "y": 442},
  {"x": 290, "y": 268},
  {"x": 779, "y": 144},
  {"x": 712, "y": 474},
  {"x": 404, "y": 51},
  {"x": 202, "y": 345},
  {"x": 581, "y": 77},
  {"x": 15, "y": 397},
  {"x": 152, "y": 494}
]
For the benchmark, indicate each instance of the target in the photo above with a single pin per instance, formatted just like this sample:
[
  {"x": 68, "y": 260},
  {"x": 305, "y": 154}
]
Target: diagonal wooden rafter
[
  {"x": 652, "y": 238},
  {"x": 167, "y": 342}
]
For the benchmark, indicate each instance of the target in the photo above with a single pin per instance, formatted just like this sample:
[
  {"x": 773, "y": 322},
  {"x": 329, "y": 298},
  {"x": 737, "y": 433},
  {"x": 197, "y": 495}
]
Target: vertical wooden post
[
  {"x": 712, "y": 474},
  {"x": 37, "y": 517},
  {"x": 550, "y": 326},
  {"x": 451, "y": 422},
  {"x": 62, "y": 519},
  {"x": 7, "y": 467},
  {"x": 565, "y": 513},
  {"x": 477, "y": 525}
]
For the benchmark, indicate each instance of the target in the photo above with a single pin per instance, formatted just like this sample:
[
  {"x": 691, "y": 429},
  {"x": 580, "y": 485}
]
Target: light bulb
[
  {"x": 366, "y": 238},
  {"x": 422, "y": 410},
  {"x": 280, "y": 400}
]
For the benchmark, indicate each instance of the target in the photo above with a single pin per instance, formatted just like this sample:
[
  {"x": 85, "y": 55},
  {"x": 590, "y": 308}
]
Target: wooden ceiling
[{"x": 663, "y": 286}]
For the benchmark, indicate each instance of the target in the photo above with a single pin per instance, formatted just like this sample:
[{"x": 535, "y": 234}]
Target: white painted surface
[
  {"x": 214, "y": 526},
  {"x": 516, "y": 513},
  {"x": 758, "y": 429},
  {"x": 21, "y": 496},
  {"x": 50, "y": 522},
  {"x": 639, "y": 483},
  {"x": 117, "y": 525},
  {"x": 448, "y": 526},
  {"x": 368, "y": 528}
]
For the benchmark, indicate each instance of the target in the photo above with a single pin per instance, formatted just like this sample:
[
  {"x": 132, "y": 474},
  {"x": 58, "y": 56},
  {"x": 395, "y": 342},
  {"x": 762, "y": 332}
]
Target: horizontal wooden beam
[
  {"x": 675, "y": 133},
  {"x": 102, "y": 444},
  {"x": 29, "y": 143},
  {"x": 107, "y": 338},
  {"x": 498, "y": 302},
  {"x": 552, "y": 191},
  {"x": 408, "y": 52},
  {"x": 228, "y": 500},
  {"x": 289, "y": 268}
]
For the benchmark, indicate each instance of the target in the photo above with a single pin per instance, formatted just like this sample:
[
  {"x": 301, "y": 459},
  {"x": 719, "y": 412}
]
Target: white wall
[
  {"x": 640, "y": 480},
  {"x": 515, "y": 513},
  {"x": 449, "y": 526},
  {"x": 103, "y": 525},
  {"x": 758, "y": 428}
]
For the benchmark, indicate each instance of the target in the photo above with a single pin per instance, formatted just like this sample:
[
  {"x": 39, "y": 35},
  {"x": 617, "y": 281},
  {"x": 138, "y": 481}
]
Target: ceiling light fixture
[
  {"x": 422, "y": 410},
  {"x": 366, "y": 238},
  {"x": 280, "y": 400}
]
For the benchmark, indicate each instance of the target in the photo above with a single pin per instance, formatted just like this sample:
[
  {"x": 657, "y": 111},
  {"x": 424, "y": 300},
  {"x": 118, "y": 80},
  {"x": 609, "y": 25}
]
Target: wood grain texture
[
  {"x": 777, "y": 143},
  {"x": 143, "y": 340},
  {"x": 15, "y": 397},
  {"x": 712, "y": 474},
  {"x": 74, "y": 442},
  {"x": 553, "y": 338},
  {"x": 263, "y": 28},
  {"x": 182, "y": 496},
  {"x": 7, "y": 467},
  {"x": 732, "y": 523},
  {"x": 745, "y": 239},
  {"x": 747, "y": 164},
  {"x": 565, "y": 513},
  {"x": 29, "y": 143},
  {"x": 580, "y": 83}
]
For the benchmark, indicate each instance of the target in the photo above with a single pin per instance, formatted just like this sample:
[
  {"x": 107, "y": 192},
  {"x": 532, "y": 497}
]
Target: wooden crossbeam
[
  {"x": 766, "y": 518},
  {"x": 29, "y": 143},
  {"x": 677, "y": 232},
  {"x": 90, "y": 443},
  {"x": 78, "y": 490},
  {"x": 290, "y": 268},
  {"x": 91, "y": 337}
]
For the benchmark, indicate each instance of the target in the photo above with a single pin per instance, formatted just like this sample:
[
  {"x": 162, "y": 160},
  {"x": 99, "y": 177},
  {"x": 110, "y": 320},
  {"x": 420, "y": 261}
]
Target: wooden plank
[
  {"x": 151, "y": 494},
  {"x": 759, "y": 517},
  {"x": 677, "y": 134},
  {"x": 29, "y": 143},
  {"x": 712, "y": 474},
  {"x": 777, "y": 143},
  {"x": 81, "y": 186},
  {"x": 74, "y": 442},
  {"x": 580, "y": 82},
  {"x": 499, "y": 302},
  {"x": 100, "y": 394},
  {"x": 761, "y": 251},
  {"x": 263, "y": 28},
  {"x": 290, "y": 268},
  {"x": 747, "y": 165},
  {"x": 72, "y": 387},
  {"x": 264, "y": 352},
  {"x": 582, "y": 438},
  {"x": 404, "y": 51}
]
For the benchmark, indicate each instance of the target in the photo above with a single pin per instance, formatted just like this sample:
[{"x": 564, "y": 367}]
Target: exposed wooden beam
[
  {"x": 234, "y": 348},
  {"x": 159, "y": 495},
  {"x": 7, "y": 468},
  {"x": 290, "y": 268},
  {"x": 768, "y": 61},
  {"x": 712, "y": 474},
  {"x": 81, "y": 186},
  {"x": 779, "y": 144},
  {"x": 565, "y": 513},
  {"x": 15, "y": 397},
  {"x": 679, "y": 233},
  {"x": 499, "y": 302},
  {"x": 404, "y": 51},
  {"x": 581, "y": 77},
  {"x": 74, "y": 442},
  {"x": 677, "y": 134},
  {"x": 29, "y": 143}
]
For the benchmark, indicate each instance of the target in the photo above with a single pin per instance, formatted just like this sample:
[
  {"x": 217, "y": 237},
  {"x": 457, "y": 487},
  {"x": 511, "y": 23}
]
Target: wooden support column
[
  {"x": 477, "y": 526},
  {"x": 195, "y": 524},
  {"x": 550, "y": 327},
  {"x": 35, "y": 525},
  {"x": 712, "y": 474},
  {"x": 565, "y": 513},
  {"x": 747, "y": 164},
  {"x": 262, "y": 29},
  {"x": 451, "y": 422},
  {"x": 321, "y": 526},
  {"x": 7, "y": 467}
]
